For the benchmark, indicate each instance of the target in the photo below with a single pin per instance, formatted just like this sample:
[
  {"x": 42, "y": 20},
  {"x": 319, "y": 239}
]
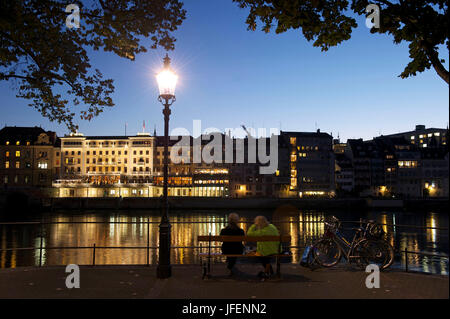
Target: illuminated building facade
[
  {"x": 132, "y": 166},
  {"x": 393, "y": 167},
  {"x": 28, "y": 157},
  {"x": 103, "y": 166},
  {"x": 311, "y": 163},
  {"x": 425, "y": 137}
]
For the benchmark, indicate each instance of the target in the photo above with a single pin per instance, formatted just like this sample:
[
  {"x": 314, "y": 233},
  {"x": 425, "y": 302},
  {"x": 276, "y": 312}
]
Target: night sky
[{"x": 229, "y": 76}]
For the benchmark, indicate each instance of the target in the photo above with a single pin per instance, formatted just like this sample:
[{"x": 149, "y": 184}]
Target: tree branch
[{"x": 433, "y": 56}]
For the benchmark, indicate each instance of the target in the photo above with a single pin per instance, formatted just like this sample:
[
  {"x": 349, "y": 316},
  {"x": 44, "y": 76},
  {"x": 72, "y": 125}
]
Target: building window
[
  {"x": 7, "y": 153},
  {"x": 42, "y": 165},
  {"x": 18, "y": 143},
  {"x": 7, "y": 142},
  {"x": 293, "y": 140},
  {"x": 17, "y": 164},
  {"x": 17, "y": 153},
  {"x": 5, "y": 179},
  {"x": 7, "y": 164}
]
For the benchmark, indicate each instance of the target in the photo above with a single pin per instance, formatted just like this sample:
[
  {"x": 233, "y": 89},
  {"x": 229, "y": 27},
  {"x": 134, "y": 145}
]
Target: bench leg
[{"x": 278, "y": 268}]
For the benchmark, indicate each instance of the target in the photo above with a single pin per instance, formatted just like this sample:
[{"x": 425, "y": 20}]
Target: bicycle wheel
[
  {"x": 378, "y": 252},
  {"x": 327, "y": 252}
]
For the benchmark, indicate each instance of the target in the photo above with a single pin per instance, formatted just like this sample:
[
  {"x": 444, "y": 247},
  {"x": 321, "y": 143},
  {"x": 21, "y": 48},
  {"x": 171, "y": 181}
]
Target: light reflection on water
[{"x": 303, "y": 226}]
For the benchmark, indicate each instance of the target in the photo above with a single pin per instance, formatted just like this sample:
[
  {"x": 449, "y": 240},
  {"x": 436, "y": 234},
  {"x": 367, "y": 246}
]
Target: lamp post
[{"x": 167, "y": 81}]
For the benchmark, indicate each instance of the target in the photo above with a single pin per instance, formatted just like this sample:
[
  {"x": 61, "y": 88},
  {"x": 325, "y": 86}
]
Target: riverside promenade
[{"x": 141, "y": 282}]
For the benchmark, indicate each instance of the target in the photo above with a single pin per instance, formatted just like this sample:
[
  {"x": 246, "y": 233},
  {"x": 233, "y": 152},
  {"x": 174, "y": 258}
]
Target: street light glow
[{"x": 167, "y": 81}]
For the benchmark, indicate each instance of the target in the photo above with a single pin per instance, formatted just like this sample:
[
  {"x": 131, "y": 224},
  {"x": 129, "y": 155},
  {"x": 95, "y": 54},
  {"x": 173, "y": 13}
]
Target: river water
[{"x": 131, "y": 229}]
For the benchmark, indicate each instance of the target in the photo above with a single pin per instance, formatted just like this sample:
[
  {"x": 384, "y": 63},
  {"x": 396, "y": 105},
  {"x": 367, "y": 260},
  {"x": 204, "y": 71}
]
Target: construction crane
[{"x": 246, "y": 131}]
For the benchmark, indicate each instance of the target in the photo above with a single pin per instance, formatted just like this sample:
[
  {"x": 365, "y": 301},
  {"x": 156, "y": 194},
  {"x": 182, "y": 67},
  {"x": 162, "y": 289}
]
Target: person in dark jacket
[{"x": 232, "y": 248}]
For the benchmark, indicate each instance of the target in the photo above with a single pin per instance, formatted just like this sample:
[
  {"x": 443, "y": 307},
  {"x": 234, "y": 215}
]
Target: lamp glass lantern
[{"x": 167, "y": 80}]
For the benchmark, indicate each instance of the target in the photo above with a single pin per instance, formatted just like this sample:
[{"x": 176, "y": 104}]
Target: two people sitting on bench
[
  {"x": 265, "y": 249},
  {"x": 261, "y": 227},
  {"x": 232, "y": 248}
]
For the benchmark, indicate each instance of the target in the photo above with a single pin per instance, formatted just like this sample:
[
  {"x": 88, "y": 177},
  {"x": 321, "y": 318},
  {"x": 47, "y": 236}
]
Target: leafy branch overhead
[
  {"x": 423, "y": 24},
  {"x": 50, "y": 63}
]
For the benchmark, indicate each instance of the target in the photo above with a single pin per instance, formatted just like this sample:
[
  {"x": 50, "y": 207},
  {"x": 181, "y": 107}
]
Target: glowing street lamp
[{"x": 167, "y": 81}]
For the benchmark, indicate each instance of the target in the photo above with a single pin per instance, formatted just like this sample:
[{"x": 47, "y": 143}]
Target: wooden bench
[{"x": 245, "y": 239}]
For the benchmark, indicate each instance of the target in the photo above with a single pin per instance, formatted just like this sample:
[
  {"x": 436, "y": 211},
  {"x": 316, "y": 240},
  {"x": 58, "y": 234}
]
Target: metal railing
[{"x": 94, "y": 247}]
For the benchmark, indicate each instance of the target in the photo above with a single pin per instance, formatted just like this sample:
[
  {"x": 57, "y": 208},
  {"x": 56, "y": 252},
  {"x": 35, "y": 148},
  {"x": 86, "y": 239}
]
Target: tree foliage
[
  {"x": 423, "y": 24},
  {"x": 49, "y": 62}
]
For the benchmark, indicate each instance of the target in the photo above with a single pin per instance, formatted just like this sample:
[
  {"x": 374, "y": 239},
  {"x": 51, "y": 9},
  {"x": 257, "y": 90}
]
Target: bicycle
[{"x": 366, "y": 247}]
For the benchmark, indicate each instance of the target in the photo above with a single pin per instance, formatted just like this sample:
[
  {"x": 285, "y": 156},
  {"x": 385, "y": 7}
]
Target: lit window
[
  {"x": 437, "y": 134},
  {"x": 17, "y": 164},
  {"x": 7, "y": 142},
  {"x": 293, "y": 140},
  {"x": 17, "y": 153},
  {"x": 7, "y": 154},
  {"x": 42, "y": 165},
  {"x": 28, "y": 143},
  {"x": 421, "y": 136},
  {"x": 18, "y": 143},
  {"x": 424, "y": 145},
  {"x": 7, "y": 164},
  {"x": 413, "y": 137},
  {"x": 293, "y": 182},
  {"x": 430, "y": 134}
]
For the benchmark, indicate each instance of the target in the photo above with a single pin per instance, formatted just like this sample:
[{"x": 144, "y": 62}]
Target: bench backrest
[{"x": 283, "y": 238}]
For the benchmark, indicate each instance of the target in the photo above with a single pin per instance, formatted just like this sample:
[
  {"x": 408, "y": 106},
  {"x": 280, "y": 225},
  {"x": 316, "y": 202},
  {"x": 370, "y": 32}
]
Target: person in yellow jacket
[{"x": 262, "y": 227}]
